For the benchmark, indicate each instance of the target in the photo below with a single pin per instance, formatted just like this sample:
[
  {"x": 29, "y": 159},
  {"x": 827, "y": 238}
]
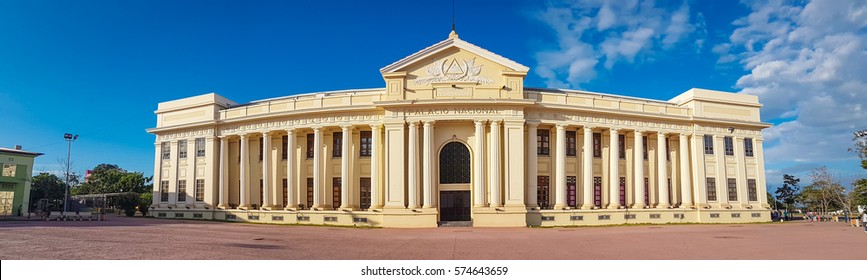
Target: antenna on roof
[{"x": 453, "y": 15}]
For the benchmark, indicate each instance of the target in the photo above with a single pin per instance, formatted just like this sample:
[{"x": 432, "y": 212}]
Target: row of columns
[{"x": 613, "y": 182}]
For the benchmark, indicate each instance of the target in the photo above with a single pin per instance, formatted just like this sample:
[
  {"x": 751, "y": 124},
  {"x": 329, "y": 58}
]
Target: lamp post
[{"x": 69, "y": 139}]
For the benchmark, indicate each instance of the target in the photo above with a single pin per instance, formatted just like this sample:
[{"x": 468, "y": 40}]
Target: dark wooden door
[{"x": 454, "y": 206}]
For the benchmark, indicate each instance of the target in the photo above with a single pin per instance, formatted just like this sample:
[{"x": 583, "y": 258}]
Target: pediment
[{"x": 453, "y": 42}]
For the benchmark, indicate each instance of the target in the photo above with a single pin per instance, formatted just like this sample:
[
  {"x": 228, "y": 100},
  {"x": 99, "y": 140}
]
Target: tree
[
  {"x": 127, "y": 202},
  {"x": 858, "y": 194},
  {"x": 826, "y": 193},
  {"x": 47, "y": 186},
  {"x": 145, "y": 200},
  {"x": 861, "y": 147},
  {"x": 109, "y": 178},
  {"x": 789, "y": 191}
]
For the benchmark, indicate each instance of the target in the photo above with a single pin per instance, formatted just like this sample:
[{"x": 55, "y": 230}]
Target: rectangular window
[
  {"x": 261, "y": 193},
  {"x": 261, "y": 148},
  {"x": 543, "y": 192},
  {"x": 670, "y": 193},
  {"x": 200, "y": 190},
  {"x": 335, "y": 191},
  {"x": 597, "y": 145},
  {"x": 729, "y": 145},
  {"x": 623, "y": 191},
  {"x": 732, "y": 189},
  {"x": 366, "y": 142},
  {"x": 182, "y": 190},
  {"x": 748, "y": 147},
  {"x": 543, "y": 143},
  {"x": 337, "y": 145},
  {"x": 571, "y": 149},
  {"x": 166, "y": 150},
  {"x": 164, "y": 191},
  {"x": 182, "y": 148},
  {"x": 644, "y": 143},
  {"x": 751, "y": 188},
  {"x": 621, "y": 145},
  {"x": 667, "y": 150},
  {"x": 571, "y": 191},
  {"x": 711, "y": 189},
  {"x": 364, "y": 193},
  {"x": 708, "y": 144},
  {"x": 239, "y": 152},
  {"x": 646, "y": 191},
  {"x": 310, "y": 140},
  {"x": 309, "y": 193},
  {"x": 9, "y": 170},
  {"x": 285, "y": 142},
  {"x": 200, "y": 147},
  {"x": 597, "y": 191},
  {"x": 285, "y": 193}
]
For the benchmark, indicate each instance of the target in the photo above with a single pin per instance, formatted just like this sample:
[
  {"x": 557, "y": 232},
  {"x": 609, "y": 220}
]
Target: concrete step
[{"x": 456, "y": 224}]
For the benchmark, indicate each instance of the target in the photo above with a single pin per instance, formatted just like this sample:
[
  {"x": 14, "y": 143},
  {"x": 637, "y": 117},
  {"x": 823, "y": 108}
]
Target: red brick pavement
[{"x": 145, "y": 238}]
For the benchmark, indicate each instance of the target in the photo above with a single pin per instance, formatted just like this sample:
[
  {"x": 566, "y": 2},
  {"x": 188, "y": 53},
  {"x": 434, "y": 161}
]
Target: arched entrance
[{"x": 454, "y": 166}]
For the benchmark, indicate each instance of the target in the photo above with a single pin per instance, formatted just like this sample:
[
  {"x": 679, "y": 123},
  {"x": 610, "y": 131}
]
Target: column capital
[
  {"x": 479, "y": 122},
  {"x": 413, "y": 123},
  {"x": 588, "y": 128},
  {"x": 376, "y": 126},
  {"x": 346, "y": 127},
  {"x": 290, "y": 130},
  {"x": 266, "y": 133},
  {"x": 561, "y": 126},
  {"x": 613, "y": 130},
  {"x": 429, "y": 123},
  {"x": 532, "y": 123},
  {"x": 316, "y": 128},
  {"x": 243, "y": 135},
  {"x": 495, "y": 122},
  {"x": 638, "y": 131}
]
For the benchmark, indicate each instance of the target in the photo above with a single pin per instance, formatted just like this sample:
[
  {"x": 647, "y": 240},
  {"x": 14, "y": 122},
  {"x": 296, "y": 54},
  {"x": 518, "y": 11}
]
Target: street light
[{"x": 69, "y": 139}]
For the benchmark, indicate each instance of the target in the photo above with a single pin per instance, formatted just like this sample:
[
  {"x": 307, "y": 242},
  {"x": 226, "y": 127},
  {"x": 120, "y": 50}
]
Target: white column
[
  {"x": 613, "y": 172},
  {"x": 412, "y": 173},
  {"x": 266, "y": 171},
  {"x": 479, "y": 165},
  {"x": 587, "y": 168},
  {"x": 685, "y": 186},
  {"x": 427, "y": 172},
  {"x": 761, "y": 190},
  {"x": 157, "y": 179},
  {"x": 317, "y": 167},
  {"x": 494, "y": 166},
  {"x": 638, "y": 160},
  {"x": 224, "y": 172},
  {"x": 560, "y": 168},
  {"x": 532, "y": 165},
  {"x": 697, "y": 166},
  {"x": 345, "y": 178},
  {"x": 375, "y": 161},
  {"x": 662, "y": 171},
  {"x": 740, "y": 172},
  {"x": 291, "y": 190},
  {"x": 245, "y": 173}
]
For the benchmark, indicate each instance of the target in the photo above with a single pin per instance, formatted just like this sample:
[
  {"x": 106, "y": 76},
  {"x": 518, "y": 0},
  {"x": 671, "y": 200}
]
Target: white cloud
[
  {"x": 808, "y": 64},
  {"x": 589, "y": 32}
]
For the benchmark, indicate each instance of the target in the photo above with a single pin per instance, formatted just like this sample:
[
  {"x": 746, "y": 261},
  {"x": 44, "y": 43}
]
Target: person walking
[{"x": 864, "y": 221}]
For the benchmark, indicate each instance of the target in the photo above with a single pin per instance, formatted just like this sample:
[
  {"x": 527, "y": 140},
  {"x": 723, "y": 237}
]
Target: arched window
[{"x": 455, "y": 164}]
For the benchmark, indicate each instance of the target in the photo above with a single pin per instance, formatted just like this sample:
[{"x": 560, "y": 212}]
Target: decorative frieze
[
  {"x": 186, "y": 134},
  {"x": 309, "y": 121}
]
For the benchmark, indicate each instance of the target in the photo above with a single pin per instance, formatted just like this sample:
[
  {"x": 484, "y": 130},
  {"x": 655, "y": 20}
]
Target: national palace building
[{"x": 454, "y": 137}]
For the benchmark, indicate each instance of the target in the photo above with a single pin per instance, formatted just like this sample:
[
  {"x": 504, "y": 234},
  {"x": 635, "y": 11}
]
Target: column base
[
  {"x": 613, "y": 207},
  {"x": 639, "y": 206},
  {"x": 561, "y": 206},
  {"x": 223, "y": 206},
  {"x": 663, "y": 206}
]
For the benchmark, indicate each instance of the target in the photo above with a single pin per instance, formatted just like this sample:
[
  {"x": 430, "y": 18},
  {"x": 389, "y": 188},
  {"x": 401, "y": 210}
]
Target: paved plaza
[{"x": 146, "y": 238}]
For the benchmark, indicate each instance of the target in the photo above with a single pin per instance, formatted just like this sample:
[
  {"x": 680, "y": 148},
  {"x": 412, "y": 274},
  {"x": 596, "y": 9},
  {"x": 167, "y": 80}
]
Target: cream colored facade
[{"x": 455, "y": 135}]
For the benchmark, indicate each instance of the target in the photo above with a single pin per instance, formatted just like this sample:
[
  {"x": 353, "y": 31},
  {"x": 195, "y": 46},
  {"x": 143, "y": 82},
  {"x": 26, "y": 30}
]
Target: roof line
[{"x": 554, "y": 90}]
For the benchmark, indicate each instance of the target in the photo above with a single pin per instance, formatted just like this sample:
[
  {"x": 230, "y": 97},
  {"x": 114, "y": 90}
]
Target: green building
[{"x": 15, "y": 180}]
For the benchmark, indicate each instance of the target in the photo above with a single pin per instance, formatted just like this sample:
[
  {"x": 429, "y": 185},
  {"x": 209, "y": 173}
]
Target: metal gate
[
  {"x": 6, "y": 203},
  {"x": 454, "y": 206}
]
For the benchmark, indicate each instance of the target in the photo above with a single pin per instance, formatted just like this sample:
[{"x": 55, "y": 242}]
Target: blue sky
[{"x": 99, "y": 68}]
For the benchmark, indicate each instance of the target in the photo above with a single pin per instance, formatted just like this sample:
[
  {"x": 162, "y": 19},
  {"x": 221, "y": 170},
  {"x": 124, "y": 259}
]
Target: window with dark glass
[
  {"x": 708, "y": 144},
  {"x": 644, "y": 145},
  {"x": 366, "y": 142},
  {"x": 285, "y": 193},
  {"x": 732, "y": 189},
  {"x": 571, "y": 191},
  {"x": 200, "y": 190},
  {"x": 285, "y": 143},
  {"x": 182, "y": 190},
  {"x": 729, "y": 145},
  {"x": 748, "y": 147},
  {"x": 667, "y": 150},
  {"x": 261, "y": 192},
  {"x": 543, "y": 143},
  {"x": 670, "y": 192},
  {"x": 261, "y": 148},
  {"x": 597, "y": 191},
  {"x": 182, "y": 149},
  {"x": 646, "y": 191},
  {"x": 337, "y": 145},
  {"x": 543, "y": 192},
  {"x": 571, "y": 148},
  {"x": 310, "y": 149},
  {"x": 335, "y": 191},
  {"x": 455, "y": 164},
  {"x": 711, "y": 189},
  {"x": 364, "y": 193},
  {"x": 309, "y": 193},
  {"x": 623, "y": 191},
  {"x": 200, "y": 147},
  {"x": 166, "y": 150},
  {"x": 164, "y": 191},
  {"x": 751, "y": 187},
  {"x": 597, "y": 145},
  {"x": 621, "y": 146}
]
